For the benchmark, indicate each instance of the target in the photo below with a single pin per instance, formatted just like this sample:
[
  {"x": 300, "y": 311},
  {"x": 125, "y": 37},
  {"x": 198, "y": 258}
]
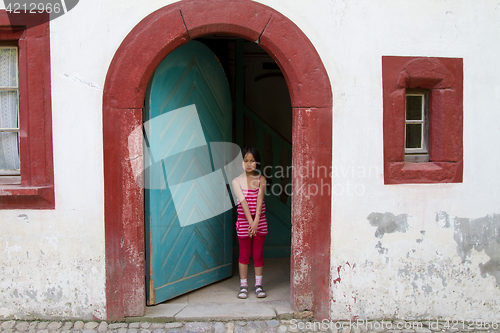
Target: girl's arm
[
  {"x": 241, "y": 198},
  {"x": 260, "y": 201}
]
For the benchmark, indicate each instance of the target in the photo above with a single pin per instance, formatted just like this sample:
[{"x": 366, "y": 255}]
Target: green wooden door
[{"x": 188, "y": 107}]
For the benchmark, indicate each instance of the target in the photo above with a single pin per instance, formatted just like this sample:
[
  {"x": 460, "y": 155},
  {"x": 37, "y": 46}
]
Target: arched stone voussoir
[
  {"x": 238, "y": 18},
  {"x": 301, "y": 65}
]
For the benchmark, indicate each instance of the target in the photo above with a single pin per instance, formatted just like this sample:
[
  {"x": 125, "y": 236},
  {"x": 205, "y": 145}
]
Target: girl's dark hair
[
  {"x": 256, "y": 156},
  {"x": 254, "y": 152}
]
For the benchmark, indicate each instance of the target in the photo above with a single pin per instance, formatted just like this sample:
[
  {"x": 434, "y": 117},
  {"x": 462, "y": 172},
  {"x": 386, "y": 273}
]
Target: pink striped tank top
[{"x": 242, "y": 222}]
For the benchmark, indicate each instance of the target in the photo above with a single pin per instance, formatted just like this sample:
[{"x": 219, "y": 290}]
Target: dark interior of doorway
[{"x": 262, "y": 117}]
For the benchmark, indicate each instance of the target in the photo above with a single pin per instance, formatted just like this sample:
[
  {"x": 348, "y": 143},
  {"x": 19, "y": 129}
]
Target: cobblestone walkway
[{"x": 281, "y": 326}]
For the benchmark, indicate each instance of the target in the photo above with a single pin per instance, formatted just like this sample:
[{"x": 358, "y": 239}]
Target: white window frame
[
  {"x": 12, "y": 176},
  {"x": 419, "y": 154}
]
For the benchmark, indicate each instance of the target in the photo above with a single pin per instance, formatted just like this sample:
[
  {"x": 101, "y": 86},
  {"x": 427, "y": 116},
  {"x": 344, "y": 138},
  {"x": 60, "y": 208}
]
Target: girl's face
[{"x": 249, "y": 163}]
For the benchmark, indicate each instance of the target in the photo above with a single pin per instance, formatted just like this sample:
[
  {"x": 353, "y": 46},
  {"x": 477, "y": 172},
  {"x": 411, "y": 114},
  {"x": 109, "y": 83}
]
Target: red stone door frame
[{"x": 133, "y": 65}]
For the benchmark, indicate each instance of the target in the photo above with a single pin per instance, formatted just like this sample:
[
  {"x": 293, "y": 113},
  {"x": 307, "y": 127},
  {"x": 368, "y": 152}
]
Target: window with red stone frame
[
  {"x": 442, "y": 78},
  {"x": 30, "y": 32}
]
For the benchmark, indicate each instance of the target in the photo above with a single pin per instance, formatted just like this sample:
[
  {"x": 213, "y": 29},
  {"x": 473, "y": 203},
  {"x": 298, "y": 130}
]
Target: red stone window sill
[
  {"x": 16, "y": 196},
  {"x": 423, "y": 172},
  {"x": 443, "y": 78}
]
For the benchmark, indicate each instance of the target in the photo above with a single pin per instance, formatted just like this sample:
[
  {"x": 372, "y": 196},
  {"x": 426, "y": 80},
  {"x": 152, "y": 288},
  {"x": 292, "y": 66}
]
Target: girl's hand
[{"x": 252, "y": 229}]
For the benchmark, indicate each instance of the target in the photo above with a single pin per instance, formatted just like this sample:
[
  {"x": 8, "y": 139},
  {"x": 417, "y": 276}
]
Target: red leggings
[{"x": 257, "y": 250}]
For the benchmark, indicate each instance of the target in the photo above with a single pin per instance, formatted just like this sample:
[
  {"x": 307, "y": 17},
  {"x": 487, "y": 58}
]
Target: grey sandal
[
  {"x": 259, "y": 292},
  {"x": 243, "y": 292}
]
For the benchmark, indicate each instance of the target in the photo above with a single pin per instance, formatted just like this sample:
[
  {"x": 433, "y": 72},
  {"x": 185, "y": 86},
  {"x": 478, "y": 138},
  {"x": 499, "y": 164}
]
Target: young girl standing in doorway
[{"x": 251, "y": 226}]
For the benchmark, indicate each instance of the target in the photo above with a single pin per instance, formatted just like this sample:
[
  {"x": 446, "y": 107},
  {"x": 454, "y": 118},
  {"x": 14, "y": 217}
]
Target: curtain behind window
[{"x": 9, "y": 123}]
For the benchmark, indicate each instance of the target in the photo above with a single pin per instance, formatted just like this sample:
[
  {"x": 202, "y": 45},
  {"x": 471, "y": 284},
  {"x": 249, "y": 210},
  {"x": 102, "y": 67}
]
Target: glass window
[
  {"x": 416, "y": 127},
  {"x": 9, "y": 112},
  {"x": 427, "y": 146},
  {"x": 26, "y": 161}
]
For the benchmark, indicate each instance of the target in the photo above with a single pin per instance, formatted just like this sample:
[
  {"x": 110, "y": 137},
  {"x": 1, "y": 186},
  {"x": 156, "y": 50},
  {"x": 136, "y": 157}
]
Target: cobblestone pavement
[{"x": 275, "y": 325}]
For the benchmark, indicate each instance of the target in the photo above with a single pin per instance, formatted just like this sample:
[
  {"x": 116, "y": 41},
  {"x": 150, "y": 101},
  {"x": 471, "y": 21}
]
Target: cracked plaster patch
[
  {"x": 388, "y": 223},
  {"x": 476, "y": 234}
]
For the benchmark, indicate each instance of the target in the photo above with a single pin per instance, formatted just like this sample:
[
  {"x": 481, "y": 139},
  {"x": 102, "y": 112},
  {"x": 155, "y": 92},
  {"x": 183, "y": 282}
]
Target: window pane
[
  {"x": 413, "y": 135},
  {"x": 8, "y": 67},
  {"x": 9, "y": 151},
  {"x": 8, "y": 109},
  {"x": 414, "y": 107}
]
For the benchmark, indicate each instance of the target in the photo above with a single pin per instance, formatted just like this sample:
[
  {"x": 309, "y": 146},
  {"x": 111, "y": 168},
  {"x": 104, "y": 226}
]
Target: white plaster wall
[
  {"x": 416, "y": 274},
  {"x": 54, "y": 265},
  {"x": 53, "y": 262},
  {"x": 397, "y": 276}
]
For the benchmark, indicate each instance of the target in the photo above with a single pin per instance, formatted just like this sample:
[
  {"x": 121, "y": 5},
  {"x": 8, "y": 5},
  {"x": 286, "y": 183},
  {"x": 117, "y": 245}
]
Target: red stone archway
[{"x": 133, "y": 64}]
